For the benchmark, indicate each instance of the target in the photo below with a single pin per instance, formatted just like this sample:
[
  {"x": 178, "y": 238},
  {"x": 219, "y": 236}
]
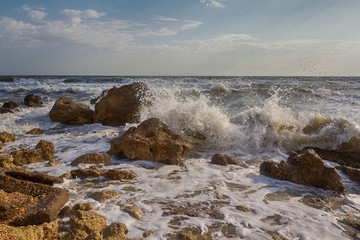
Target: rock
[
  {"x": 6, "y": 161},
  {"x": 115, "y": 230},
  {"x": 305, "y": 168},
  {"x": 84, "y": 206},
  {"x": 0, "y": 145},
  {"x": 353, "y": 173},
  {"x": 220, "y": 159},
  {"x": 134, "y": 211},
  {"x": 121, "y": 105},
  {"x": 243, "y": 209},
  {"x": 33, "y": 101},
  {"x": 68, "y": 112},
  {"x": 10, "y": 105},
  {"x": 152, "y": 140},
  {"x": 7, "y": 137},
  {"x": 67, "y": 211},
  {"x": 5, "y": 110},
  {"x": 75, "y": 234},
  {"x": 314, "y": 202},
  {"x": 36, "y": 177},
  {"x": 116, "y": 174},
  {"x": 92, "y": 158},
  {"x": 44, "y": 151},
  {"x": 148, "y": 234},
  {"x": 88, "y": 221},
  {"x": 35, "y": 131},
  {"x": 84, "y": 173},
  {"x": 50, "y": 199},
  {"x": 12, "y": 205},
  {"x": 350, "y": 158},
  {"x": 102, "y": 196},
  {"x": 46, "y": 231}
]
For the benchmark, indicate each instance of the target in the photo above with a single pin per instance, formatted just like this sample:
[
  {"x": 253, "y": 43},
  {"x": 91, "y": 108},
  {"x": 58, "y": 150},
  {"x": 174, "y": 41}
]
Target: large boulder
[
  {"x": 68, "y": 112},
  {"x": 305, "y": 168},
  {"x": 44, "y": 151},
  {"x": 92, "y": 158},
  {"x": 152, "y": 140},
  {"x": 33, "y": 101},
  {"x": 121, "y": 105}
]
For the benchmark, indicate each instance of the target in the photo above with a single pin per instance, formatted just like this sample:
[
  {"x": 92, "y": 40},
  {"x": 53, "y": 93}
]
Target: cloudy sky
[{"x": 180, "y": 37}]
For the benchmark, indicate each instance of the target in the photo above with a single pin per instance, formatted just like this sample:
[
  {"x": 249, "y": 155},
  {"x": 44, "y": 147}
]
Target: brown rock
[
  {"x": 7, "y": 137},
  {"x": 88, "y": 221},
  {"x": 35, "y": 131},
  {"x": 5, "y": 110},
  {"x": 46, "y": 231},
  {"x": 115, "y": 231},
  {"x": 44, "y": 151},
  {"x": 117, "y": 174},
  {"x": 75, "y": 234},
  {"x": 13, "y": 205},
  {"x": 103, "y": 195},
  {"x": 243, "y": 209},
  {"x": 84, "y": 206},
  {"x": 305, "y": 168},
  {"x": 10, "y": 105},
  {"x": 6, "y": 161},
  {"x": 220, "y": 159},
  {"x": 314, "y": 202},
  {"x": 152, "y": 140},
  {"x": 348, "y": 158},
  {"x": 92, "y": 158},
  {"x": 148, "y": 234},
  {"x": 33, "y": 101},
  {"x": 0, "y": 145},
  {"x": 353, "y": 173},
  {"x": 67, "y": 211},
  {"x": 134, "y": 211},
  {"x": 69, "y": 112},
  {"x": 121, "y": 105},
  {"x": 84, "y": 173},
  {"x": 36, "y": 177}
]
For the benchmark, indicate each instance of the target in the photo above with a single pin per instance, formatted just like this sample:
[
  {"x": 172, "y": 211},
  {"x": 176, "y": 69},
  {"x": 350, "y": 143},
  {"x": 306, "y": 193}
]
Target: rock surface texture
[
  {"x": 92, "y": 158},
  {"x": 223, "y": 159},
  {"x": 152, "y": 140},
  {"x": 44, "y": 151},
  {"x": 68, "y": 112},
  {"x": 33, "y": 101},
  {"x": 121, "y": 105},
  {"x": 305, "y": 168}
]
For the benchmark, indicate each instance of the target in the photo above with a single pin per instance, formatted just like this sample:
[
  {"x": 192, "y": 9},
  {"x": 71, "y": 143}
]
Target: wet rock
[
  {"x": 67, "y": 211},
  {"x": 12, "y": 205},
  {"x": 148, "y": 234},
  {"x": 243, "y": 209},
  {"x": 305, "y": 168},
  {"x": 314, "y": 202},
  {"x": 84, "y": 206},
  {"x": 33, "y": 101},
  {"x": 202, "y": 210},
  {"x": 221, "y": 159},
  {"x": 353, "y": 173},
  {"x": 92, "y": 158},
  {"x": 5, "y": 110},
  {"x": 46, "y": 231},
  {"x": 134, "y": 211},
  {"x": 0, "y": 145},
  {"x": 116, "y": 174},
  {"x": 115, "y": 231},
  {"x": 88, "y": 221},
  {"x": 102, "y": 196},
  {"x": 84, "y": 173},
  {"x": 44, "y": 151},
  {"x": 35, "y": 131},
  {"x": 68, "y": 112},
  {"x": 350, "y": 158},
  {"x": 7, "y": 137},
  {"x": 152, "y": 140},
  {"x": 6, "y": 161},
  {"x": 10, "y": 105},
  {"x": 75, "y": 234},
  {"x": 121, "y": 105},
  {"x": 50, "y": 199},
  {"x": 36, "y": 177}
]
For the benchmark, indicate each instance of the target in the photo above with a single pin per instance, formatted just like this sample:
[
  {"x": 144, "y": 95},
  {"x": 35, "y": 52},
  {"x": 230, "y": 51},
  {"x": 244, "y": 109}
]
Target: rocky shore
[{"x": 33, "y": 207}]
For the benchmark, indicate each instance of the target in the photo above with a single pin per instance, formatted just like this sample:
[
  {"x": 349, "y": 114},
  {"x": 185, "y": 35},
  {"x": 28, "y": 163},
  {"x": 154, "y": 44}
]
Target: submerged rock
[
  {"x": 10, "y": 105},
  {"x": 353, "y": 173},
  {"x": 33, "y": 101},
  {"x": 152, "y": 140},
  {"x": 44, "y": 151},
  {"x": 68, "y": 112},
  {"x": 114, "y": 174},
  {"x": 121, "y": 105},
  {"x": 35, "y": 131},
  {"x": 102, "y": 196},
  {"x": 221, "y": 159},
  {"x": 305, "y": 168},
  {"x": 92, "y": 158},
  {"x": 7, "y": 137},
  {"x": 134, "y": 211}
]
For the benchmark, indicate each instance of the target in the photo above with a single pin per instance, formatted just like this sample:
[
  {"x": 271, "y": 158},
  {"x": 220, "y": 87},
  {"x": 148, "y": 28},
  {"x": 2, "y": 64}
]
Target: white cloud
[
  {"x": 213, "y": 3},
  {"x": 35, "y": 15},
  {"x": 167, "y": 19},
  {"x": 86, "y": 14}
]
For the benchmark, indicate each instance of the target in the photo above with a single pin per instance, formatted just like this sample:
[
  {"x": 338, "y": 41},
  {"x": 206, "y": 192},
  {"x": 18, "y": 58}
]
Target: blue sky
[{"x": 184, "y": 37}]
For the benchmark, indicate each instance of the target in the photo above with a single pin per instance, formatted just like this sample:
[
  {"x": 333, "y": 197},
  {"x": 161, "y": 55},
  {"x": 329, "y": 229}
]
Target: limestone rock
[
  {"x": 68, "y": 112},
  {"x": 46, "y": 231},
  {"x": 7, "y": 137},
  {"x": 121, "y": 105},
  {"x": 92, "y": 158},
  {"x": 6, "y": 161},
  {"x": 84, "y": 173},
  {"x": 305, "y": 168},
  {"x": 152, "y": 140},
  {"x": 222, "y": 159},
  {"x": 44, "y": 151},
  {"x": 13, "y": 205},
  {"x": 134, "y": 211},
  {"x": 75, "y": 234},
  {"x": 36, "y": 177},
  {"x": 117, "y": 174},
  {"x": 115, "y": 231},
  {"x": 84, "y": 206},
  {"x": 102, "y": 196},
  {"x": 33, "y": 101},
  {"x": 88, "y": 221},
  {"x": 35, "y": 131}
]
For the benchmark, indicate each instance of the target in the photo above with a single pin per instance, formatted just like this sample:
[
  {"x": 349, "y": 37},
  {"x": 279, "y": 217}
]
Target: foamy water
[{"x": 251, "y": 119}]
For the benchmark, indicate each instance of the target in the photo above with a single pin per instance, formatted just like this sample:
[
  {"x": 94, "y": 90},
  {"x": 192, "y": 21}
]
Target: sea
[{"x": 252, "y": 119}]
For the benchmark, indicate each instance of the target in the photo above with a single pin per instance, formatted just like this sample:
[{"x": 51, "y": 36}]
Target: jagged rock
[
  {"x": 121, "y": 105},
  {"x": 44, "y": 151},
  {"x": 115, "y": 174},
  {"x": 92, "y": 158},
  {"x": 0, "y": 145},
  {"x": 12, "y": 205},
  {"x": 243, "y": 209},
  {"x": 10, "y": 105},
  {"x": 75, "y": 234},
  {"x": 36, "y": 177},
  {"x": 152, "y": 140},
  {"x": 46, "y": 231},
  {"x": 33, "y": 101},
  {"x": 50, "y": 199},
  {"x": 68, "y": 112},
  {"x": 353, "y": 173},
  {"x": 148, "y": 233},
  {"x": 350, "y": 158},
  {"x": 6, "y": 161},
  {"x": 84, "y": 173},
  {"x": 220, "y": 159},
  {"x": 35, "y": 131},
  {"x": 305, "y": 168},
  {"x": 84, "y": 206},
  {"x": 7, "y": 137},
  {"x": 88, "y": 221},
  {"x": 134, "y": 211},
  {"x": 115, "y": 230},
  {"x": 102, "y": 196}
]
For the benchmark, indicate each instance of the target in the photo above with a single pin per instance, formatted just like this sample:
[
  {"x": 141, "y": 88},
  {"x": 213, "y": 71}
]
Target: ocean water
[{"x": 252, "y": 119}]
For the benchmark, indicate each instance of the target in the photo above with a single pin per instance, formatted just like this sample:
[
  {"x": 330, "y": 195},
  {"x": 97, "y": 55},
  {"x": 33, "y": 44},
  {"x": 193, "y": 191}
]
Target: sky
[{"x": 180, "y": 37}]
